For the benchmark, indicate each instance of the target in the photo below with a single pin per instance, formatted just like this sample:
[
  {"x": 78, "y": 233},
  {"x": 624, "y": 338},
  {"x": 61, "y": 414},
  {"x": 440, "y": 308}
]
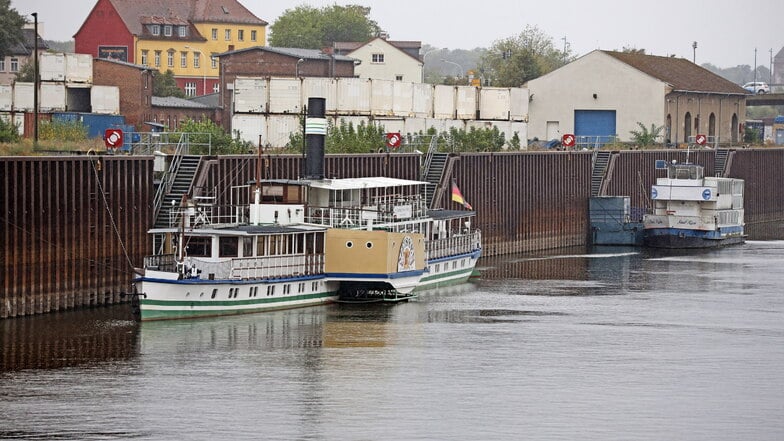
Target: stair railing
[{"x": 168, "y": 178}]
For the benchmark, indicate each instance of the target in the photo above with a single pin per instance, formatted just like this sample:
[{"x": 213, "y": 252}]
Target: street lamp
[
  {"x": 456, "y": 64},
  {"x": 296, "y": 68},
  {"x": 204, "y": 72}
]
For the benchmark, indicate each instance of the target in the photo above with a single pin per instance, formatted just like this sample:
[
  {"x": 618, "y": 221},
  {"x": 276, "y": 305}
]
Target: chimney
[{"x": 315, "y": 136}]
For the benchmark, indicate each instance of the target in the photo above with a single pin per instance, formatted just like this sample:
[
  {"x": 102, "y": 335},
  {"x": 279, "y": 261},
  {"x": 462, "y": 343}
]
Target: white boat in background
[{"x": 694, "y": 211}]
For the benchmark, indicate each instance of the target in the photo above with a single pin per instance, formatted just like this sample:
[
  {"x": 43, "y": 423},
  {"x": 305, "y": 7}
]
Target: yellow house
[{"x": 177, "y": 35}]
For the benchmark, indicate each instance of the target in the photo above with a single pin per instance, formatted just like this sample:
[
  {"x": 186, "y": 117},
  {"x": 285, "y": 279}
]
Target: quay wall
[{"x": 59, "y": 246}]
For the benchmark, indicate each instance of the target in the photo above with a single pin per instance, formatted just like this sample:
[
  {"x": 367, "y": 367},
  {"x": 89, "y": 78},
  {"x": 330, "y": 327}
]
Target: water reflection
[{"x": 68, "y": 339}]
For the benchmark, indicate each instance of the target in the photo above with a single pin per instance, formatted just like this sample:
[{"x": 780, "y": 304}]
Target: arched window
[
  {"x": 712, "y": 125},
  {"x": 687, "y": 127},
  {"x": 734, "y": 128},
  {"x": 668, "y": 130}
]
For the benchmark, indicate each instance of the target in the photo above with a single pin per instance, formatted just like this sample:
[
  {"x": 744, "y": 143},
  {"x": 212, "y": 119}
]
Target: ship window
[
  {"x": 314, "y": 286},
  {"x": 198, "y": 246},
  {"x": 438, "y": 267},
  {"x": 214, "y": 293},
  {"x": 349, "y": 244},
  {"x": 369, "y": 245},
  {"x": 228, "y": 247}
]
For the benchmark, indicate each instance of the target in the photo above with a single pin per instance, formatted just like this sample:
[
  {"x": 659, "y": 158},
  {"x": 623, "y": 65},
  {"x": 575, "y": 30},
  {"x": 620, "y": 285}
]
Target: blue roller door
[{"x": 594, "y": 126}]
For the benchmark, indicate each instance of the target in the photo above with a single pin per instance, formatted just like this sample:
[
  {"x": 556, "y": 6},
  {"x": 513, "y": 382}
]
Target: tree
[
  {"x": 515, "y": 60},
  {"x": 11, "y": 23},
  {"x": 164, "y": 84},
  {"x": 645, "y": 137},
  {"x": 310, "y": 28},
  {"x": 26, "y": 73}
]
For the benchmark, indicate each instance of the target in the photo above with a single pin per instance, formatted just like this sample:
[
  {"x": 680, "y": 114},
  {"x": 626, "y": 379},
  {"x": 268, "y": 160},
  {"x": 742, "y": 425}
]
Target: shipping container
[
  {"x": 79, "y": 68},
  {"x": 250, "y": 95},
  {"x": 494, "y": 103},
  {"x": 105, "y": 99},
  {"x": 391, "y": 125},
  {"x": 466, "y": 102},
  {"x": 518, "y": 105},
  {"x": 52, "y": 97},
  {"x": 251, "y": 127},
  {"x": 422, "y": 104},
  {"x": 403, "y": 101},
  {"x": 23, "y": 97},
  {"x": 77, "y": 97},
  {"x": 415, "y": 125},
  {"x": 326, "y": 88},
  {"x": 6, "y": 98},
  {"x": 279, "y": 130},
  {"x": 353, "y": 96},
  {"x": 381, "y": 97},
  {"x": 444, "y": 101},
  {"x": 285, "y": 95},
  {"x": 19, "y": 122},
  {"x": 52, "y": 67}
]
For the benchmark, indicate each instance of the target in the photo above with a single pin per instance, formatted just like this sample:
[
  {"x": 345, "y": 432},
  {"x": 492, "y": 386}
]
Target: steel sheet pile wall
[
  {"x": 58, "y": 245},
  {"x": 526, "y": 201},
  {"x": 763, "y": 194},
  {"x": 634, "y": 172}
]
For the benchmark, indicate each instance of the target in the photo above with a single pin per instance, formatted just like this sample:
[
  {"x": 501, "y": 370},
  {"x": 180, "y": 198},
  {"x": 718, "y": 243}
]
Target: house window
[
  {"x": 170, "y": 59},
  {"x": 227, "y": 35},
  {"x": 183, "y": 59},
  {"x": 240, "y": 35},
  {"x": 167, "y": 30},
  {"x": 183, "y": 31},
  {"x": 215, "y": 88},
  {"x": 214, "y": 33},
  {"x": 196, "y": 60},
  {"x": 398, "y": 77},
  {"x": 155, "y": 30},
  {"x": 2, "y": 64},
  {"x": 214, "y": 62},
  {"x": 144, "y": 57},
  {"x": 14, "y": 65},
  {"x": 252, "y": 35},
  {"x": 377, "y": 58},
  {"x": 157, "y": 58}
]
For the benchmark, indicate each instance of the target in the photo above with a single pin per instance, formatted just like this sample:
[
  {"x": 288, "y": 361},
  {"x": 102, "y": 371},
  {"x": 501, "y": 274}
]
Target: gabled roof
[
  {"x": 181, "y": 103},
  {"x": 307, "y": 54},
  {"x": 125, "y": 63},
  {"x": 403, "y": 46},
  {"x": 134, "y": 12},
  {"x": 681, "y": 74},
  {"x": 27, "y": 45}
]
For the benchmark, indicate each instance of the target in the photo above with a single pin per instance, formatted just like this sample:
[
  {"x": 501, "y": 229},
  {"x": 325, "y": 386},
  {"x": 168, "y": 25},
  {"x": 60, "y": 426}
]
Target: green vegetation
[
  {"x": 645, "y": 137},
  {"x": 209, "y": 138},
  {"x": 60, "y": 131},
  {"x": 11, "y": 23},
  {"x": 311, "y": 28},
  {"x": 9, "y": 132},
  {"x": 164, "y": 84}
]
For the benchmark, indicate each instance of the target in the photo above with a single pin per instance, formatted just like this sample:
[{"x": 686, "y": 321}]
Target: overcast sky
[{"x": 726, "y": 32}]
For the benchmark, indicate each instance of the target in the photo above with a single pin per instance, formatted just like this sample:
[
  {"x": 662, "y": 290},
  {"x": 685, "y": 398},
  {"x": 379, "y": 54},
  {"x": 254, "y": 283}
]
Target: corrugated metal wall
[
  {"x": 763, "y": 193},
  {"x": 59, "y": 243}
]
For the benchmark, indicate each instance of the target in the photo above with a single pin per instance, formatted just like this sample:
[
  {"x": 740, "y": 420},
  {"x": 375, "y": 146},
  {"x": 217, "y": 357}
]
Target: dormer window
[
  {"x": 167, "y": 30},
  {"x": 155, "y": 30},
  {"x": 183, "y": 31}
]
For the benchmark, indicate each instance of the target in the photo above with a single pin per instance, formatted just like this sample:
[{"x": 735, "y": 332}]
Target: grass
[{"x": 49, "y": 147}]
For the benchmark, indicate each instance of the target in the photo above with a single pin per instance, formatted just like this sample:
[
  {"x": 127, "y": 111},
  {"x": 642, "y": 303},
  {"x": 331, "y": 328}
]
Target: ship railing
[
  {"x": 209, "y": 214},
  {"x": 161, "y": 262},
  {"x": 276, "y": 267},
  {"x": 458, "y": 244},
  {"x": 352, "y": 217}
]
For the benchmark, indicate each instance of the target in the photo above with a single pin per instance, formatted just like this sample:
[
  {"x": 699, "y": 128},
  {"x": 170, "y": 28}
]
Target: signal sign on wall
[
  {"x": 568, "y": 140},
  {"x": 113, "y": 138},
  {"x": 393, "y": 140},
  {"x": 701, "y": 139}
]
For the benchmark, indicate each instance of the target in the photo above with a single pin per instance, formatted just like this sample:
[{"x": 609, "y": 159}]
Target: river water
[{"x": 611, "y": 344}]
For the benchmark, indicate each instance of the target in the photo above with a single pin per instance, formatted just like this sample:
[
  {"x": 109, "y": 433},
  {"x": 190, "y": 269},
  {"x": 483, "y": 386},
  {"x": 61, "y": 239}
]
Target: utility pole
[
  {"x": 36, "y": 83},
  {"x": 755, "y": 65},
  {"x": 694, "y": 47},
  {"x": 770, "y": 71}
]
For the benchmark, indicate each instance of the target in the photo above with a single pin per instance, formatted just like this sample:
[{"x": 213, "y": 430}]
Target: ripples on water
[{"x": 614, "y": 344}]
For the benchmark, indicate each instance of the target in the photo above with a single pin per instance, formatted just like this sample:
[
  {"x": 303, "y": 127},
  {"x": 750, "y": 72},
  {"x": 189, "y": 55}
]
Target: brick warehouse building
[{"x": 135, "y": 84}]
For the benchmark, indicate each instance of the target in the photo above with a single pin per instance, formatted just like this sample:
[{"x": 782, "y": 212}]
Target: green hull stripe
[{"x": 245, "y": 302}]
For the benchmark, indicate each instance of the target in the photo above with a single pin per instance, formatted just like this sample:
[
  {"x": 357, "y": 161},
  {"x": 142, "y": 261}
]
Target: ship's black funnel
[{"x": 315, "y": 135}]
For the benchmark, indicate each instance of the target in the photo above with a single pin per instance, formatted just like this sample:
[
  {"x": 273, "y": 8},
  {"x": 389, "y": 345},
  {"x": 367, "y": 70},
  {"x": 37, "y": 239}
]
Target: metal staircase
[
  {"x": 434, "y": 175},
  {"x": 601, "y": 160},
  {"x": 720, "y": 162},
  {"x": 181, "y": 183}
]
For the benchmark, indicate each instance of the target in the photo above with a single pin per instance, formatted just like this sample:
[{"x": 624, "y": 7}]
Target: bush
[
  {"x": 62, "y": 131},
  {"x": 9, "y": 132},
  {"x": 207, "y": 137}
]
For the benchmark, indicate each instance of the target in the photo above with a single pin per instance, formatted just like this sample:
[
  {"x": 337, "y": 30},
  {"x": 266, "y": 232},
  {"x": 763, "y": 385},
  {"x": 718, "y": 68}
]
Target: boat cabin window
[
  {"x": 247, "y": 246},
  {"x": 685, "y": 171},
  {"x": 198, "y": 246},
  {"x": 228, "y": 247}
]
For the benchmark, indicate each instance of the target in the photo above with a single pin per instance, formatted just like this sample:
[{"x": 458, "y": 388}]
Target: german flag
[{"x": 458, "y": 197}]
